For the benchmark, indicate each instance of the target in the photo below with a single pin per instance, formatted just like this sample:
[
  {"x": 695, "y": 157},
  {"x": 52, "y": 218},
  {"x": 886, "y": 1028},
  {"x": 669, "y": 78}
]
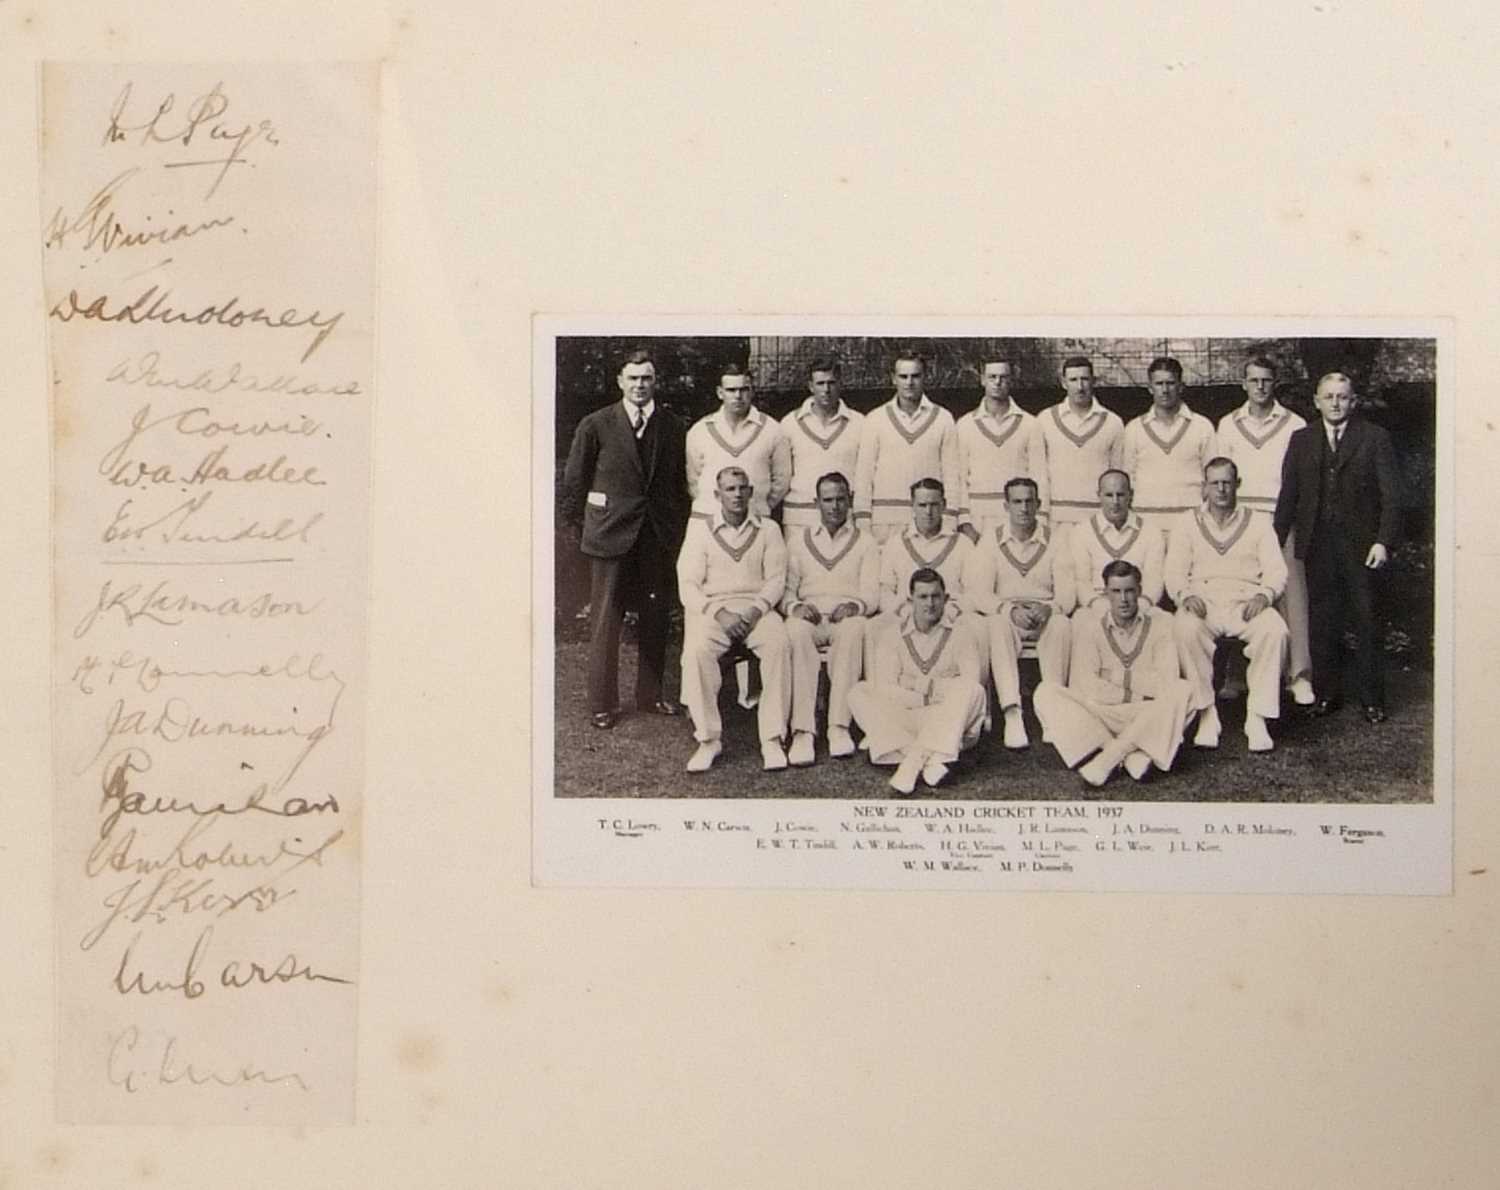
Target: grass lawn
[{"x": 1339, "y": 759}]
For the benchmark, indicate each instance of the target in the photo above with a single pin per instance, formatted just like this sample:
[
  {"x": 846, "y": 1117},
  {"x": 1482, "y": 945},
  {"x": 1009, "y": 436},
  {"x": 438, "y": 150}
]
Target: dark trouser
[
  {"x": 640, "y": 579},
  {"x": 1340, "y": 595}
]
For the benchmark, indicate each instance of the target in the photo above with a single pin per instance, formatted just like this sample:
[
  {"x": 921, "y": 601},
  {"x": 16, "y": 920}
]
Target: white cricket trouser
[
  {"x": 1053, "y": 649},
  {"x": 703, "y": 643},
  {"x": 1078, "y": 726},
  {"x": 895, "y": 721},
  {"x": 846, "y": 645},
  {"x": 1265, "y": 640},
  {"x": 1293, "y": 606}
]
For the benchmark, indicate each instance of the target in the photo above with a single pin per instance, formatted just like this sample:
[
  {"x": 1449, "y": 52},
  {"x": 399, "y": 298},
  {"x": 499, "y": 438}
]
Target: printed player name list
[{"x": 209, "y": 246}]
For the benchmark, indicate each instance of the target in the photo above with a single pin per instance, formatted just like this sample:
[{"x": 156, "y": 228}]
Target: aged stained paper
[
  {"x": 1282, "y": 158},
  {"x": 209, "y": 236}
]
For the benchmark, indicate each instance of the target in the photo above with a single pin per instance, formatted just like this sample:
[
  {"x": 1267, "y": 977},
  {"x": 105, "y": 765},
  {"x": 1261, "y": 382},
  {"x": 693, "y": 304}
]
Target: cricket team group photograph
[{"x": 1168, "y": 569}]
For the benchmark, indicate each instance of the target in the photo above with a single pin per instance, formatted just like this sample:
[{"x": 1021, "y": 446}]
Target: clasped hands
[
  {"x": 738, "y": 625},
  {"x": 1030, "y": 616},
  {"x": 1253, "y": 606},
  {"x": 806, "y": 611}
]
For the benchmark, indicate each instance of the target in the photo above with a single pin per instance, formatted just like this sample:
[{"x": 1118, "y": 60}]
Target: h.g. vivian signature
[{"x": 103, "y": 230}]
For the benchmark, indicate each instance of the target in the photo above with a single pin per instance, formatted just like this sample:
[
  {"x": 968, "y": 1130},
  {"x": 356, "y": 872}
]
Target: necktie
[
  {"x": 1338, "y": 437},
  {"x": 638, "y": 421}
]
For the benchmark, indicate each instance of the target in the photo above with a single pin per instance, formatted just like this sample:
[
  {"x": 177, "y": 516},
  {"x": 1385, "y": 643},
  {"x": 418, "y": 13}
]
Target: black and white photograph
[
  {"x": 936, "y": 570},
  {"x": 1185, "y": 569}
]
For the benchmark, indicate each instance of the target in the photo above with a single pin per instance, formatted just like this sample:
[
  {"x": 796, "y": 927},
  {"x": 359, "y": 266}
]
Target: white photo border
[{"x": 1112, "y": 845}]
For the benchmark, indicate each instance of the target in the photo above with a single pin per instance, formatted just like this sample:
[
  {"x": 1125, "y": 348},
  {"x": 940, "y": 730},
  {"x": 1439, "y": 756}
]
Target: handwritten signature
[
  {"x": 120, "y": 799},
  {"x": 153, "y": 305},
  {"x": 103, "y": 229},
  {"x": 146, "y": 673},
  {"x": 200, "y": 121},
  {"x": 213, "y": 467},
  {"x": 130, "y": 1067},
  {"x": 171, "y": 527},
  {"x": 180, "y": 889},
  {"x": 175, "y": 722},
  {"x": 234, "y": 974},
  {"x": 145, "y": 370},
  {"x": 192, "y": 851},
  {"x": 199, "y": 422},
  {"x": 162, "y": 603}
]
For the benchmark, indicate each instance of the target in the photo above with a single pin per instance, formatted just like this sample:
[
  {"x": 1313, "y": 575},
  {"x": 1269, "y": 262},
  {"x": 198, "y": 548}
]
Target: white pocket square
[{"x": 598, "y": 499}]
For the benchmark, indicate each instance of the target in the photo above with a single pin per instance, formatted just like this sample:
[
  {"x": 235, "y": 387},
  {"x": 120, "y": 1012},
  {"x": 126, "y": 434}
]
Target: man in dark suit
[
  {"x": 627, "y": 468},
  {"x": 1341, "y": 491}
]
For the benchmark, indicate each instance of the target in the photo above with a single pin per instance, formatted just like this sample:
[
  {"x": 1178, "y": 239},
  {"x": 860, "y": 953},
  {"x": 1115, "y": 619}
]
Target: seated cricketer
[
  {"x": 831, "y": 587},
  {"x": 731, "y": 574},
  {"x": 927, "y": 540},
  {"x": 1020, "y": 581},
  {"x": 1124, "y": 701},
  {"x": 1115, "y": 533},
  {"x": 1224, "y": 570},
  {"x": 924, "y": 703}
]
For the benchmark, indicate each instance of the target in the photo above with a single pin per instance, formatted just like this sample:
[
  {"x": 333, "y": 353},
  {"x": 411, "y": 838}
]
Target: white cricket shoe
[
  {"x": 905, "y": 780},
  {"x": 703, "y": 759},
  {"x": 771, "y": 756},
  {"x": 1208, "y": 729},
  {"x": 1138, "y": 764},
  {"x": 1097, "y": 771},
  {"x": 840, "y": 742},
  {"x": 934, "y": 772},
  {"x": 1256, "y": 733},
  {"x": 1302, "y": 692},
  {"x": 801, "y": 753},
  {"x": 1015, "y": 729}
]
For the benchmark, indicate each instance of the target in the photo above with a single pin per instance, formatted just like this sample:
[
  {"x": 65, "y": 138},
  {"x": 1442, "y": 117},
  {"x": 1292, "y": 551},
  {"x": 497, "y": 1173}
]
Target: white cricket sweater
[
  {"x": 722, "y": 566},
  {"x": 816, "y": 448},
  {"x": 894, "y": 453},
  {"x": 1165, "y": 461},
  {"x": 1078, "y": 451},
  {"x": 826, "y": 571},
  {"x": 757, "y": 446},
  {"x": 1095, "y": 543},
  {"x": 1232, "y": 562},
  {"x": 992, "y": 451},
  {"x": 1257, "y": 448},
  {"x": 1004, "y": 570}
]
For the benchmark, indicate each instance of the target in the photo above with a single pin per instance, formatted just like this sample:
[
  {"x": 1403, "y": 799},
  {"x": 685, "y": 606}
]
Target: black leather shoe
[
  {"x": 662, "y": 707},
  {"x": 1375, "y": 714},
  {"x": 604, "y": 720},
  {"x": 1323, "y": 708}
]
